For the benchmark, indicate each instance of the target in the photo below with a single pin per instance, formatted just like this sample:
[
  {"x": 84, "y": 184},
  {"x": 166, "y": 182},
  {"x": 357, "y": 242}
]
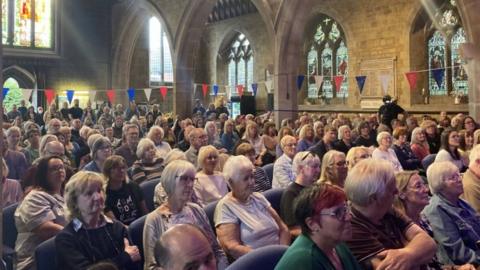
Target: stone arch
[
  {"x": 25, "y": 78},
  {"x": 135, "y": 17},
  {"x": 187, "y": 44}
]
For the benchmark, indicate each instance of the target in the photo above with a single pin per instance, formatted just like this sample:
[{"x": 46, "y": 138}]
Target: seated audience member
[
  {"x": 270, "y": 141},
  {"x": 466, "y": 144},
  {"x": 469, "y": 124},
  {"x": 383, "y": 151},
  {"x": 471, "y": 180},
  {"x": 16, "y": 161},
  {"x": 355, "y": 155},
  {"x": 344, "y": 142},
  {"x": 455, "y": 224},
  {"x": 11, "y": 189},
  {"x": 411, "y": 199},
  {"x": 212, "y": 134},
  {"x": 449, "y": 149},
  {"x": 198, "y": 138},
  {"x": 407, "y": 158},
  {"x": 383, "y": 238},
  {"x": 184, "y": 144},
  {"x": 326, "y": 144},
  {"x": 109, "y": 134},
  {"x": 283, "y": 173},
  {"x": 149, "y": 166},
  {"x": 432, "y": 134},
  {"x": 124, "y": 199},
  {"x": 252, "y": 135},
  {"x": 177, "y": 180},
  {"x": 307, "y": 169},
  {"x": 40, "y": 215},
  {"x": 53, "y": 126},
  {"x": 182, "y": 246},
  {"x": 334, "y": 168},
  {"x": 14, "y": 135},
  {"x": 160, "y": 194},
  {"x": 305, "y": 138},
  {"x": 100, "y": 151},
  {"x": 229, "y": 137},
  {"x": 262, "y": 183},
  {"x": 128, "y": 149},
  {"x": 245, "y": 220},
  {"x": 91, "y": 237},
  {"x": 419, "y": 144},
  {"x": 32, "y": 151},
  {"x": 325, "y": 219},
  {"x": 365, "y": 137},
  {"x": 284, "y": 131},
  {"x": 210, "y": 185},
  {"x": 156, "y": 134}
]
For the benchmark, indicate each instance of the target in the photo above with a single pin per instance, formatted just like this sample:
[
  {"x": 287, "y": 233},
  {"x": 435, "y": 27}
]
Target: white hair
[
  {"x": 234, "y": 166},
  {"x": 437, "y": 173}
]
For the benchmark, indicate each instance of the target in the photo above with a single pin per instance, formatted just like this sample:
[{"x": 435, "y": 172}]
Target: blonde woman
[
  {"x": 210, "y": 184},
  {"x": 252, "y": 135}
]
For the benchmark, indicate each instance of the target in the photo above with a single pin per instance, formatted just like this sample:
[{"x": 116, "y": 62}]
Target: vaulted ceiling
[{"x": 226, "y": 9}]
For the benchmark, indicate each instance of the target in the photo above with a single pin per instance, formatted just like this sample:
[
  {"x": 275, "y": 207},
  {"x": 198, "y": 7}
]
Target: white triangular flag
[
  {"x": 318, "y": 81},
  {"x": 385, "y": 81},
  {"x": 468, "y": 68},
  {"x": 148, "y": 93},
  {"x": 27, "y": 93},
  {"x": 268, "y": 85},
  {"x": 92, "y": 94}
]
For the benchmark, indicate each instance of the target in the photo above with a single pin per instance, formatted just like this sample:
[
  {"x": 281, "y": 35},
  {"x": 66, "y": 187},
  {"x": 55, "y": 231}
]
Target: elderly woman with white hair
[
  {"x": 334, "y": 168},
  {"x": 344, "y": 142},
  {"x": 149, "y": 166},
  {"x": 244, "y": 220},
  {"x": 91, "y": 237},
  {"x": 210, "y": 185},
  {"x": 156, "y": 134},
  {"x": 455, "y": 224},
  {"x": 382, "y": 237},
  {"x": 419, "y": 144},
  {"x": 385, "y": 152},
  {"x": 177, "y": 180}
]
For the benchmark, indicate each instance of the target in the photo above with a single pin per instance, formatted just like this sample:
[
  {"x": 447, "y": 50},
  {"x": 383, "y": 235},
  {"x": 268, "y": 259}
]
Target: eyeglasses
[
  {"x": 56, "y": 168},
  {"x": 339, "y": 213},
  {"x": 186, "y": 178},
  {"x": 455, "y": 178}
]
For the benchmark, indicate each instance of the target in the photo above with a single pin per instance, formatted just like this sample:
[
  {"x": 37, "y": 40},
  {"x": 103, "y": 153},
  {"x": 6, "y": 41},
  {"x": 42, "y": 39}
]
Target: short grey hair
[
  {"x": 437, "y": 173},
  {"x": 341, "y": 130},
  {"x": 301, "y": 159},
  {"x": 153, "y": 129},
  {"x": 174, "y": 154},
  {"x": 172, "y": 171},
  {"x": 368, "y": 178},
  {"x": 382, "y": 135},
  {"x": 142, "y": 146},
  {"x": 203, "y": 154},
  {"x": 283, "y": 141},
  {"x": 233, "y": 167},
  {"x": 474, "y": 155},
  {"x": 76, "y": 186}
]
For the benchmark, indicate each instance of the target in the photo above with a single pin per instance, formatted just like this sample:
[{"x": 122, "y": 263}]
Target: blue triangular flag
[
  {"x": 438, "y": 75},
  {"x": 70, "y": 96},
  {"x": 5, "y": 92},
  {"x": 254, "y": 88},
  {"x": 131, "y": 94},
  {"x": 300, "y": 79},
  {"x": 215, "y": 89},
  {"x": 361, "y": 82}
]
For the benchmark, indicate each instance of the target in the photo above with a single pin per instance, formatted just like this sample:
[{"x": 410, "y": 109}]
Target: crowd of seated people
[{"x": 355, "y": 194}]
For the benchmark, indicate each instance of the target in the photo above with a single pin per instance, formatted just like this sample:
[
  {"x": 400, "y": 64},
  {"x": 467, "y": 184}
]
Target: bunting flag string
[
  {"x": 338, "y": 82},
  {"x": 27, "y": 93},
  {"x": 300, "y": 79},
  {"x": 438, "y": 75},
  {"x": 49, "y": 95},
  {"x": 163, "y": 92},
  {"x": 111, "y": 95},
  {"x": 269, "y": 86},
  {"x": 215, "y": 89},
  {"x": 148, "y": 93},
  {"x": 361, "y": 82},
  {"x": 5, "y": 92},
  {"x": 92, "y": 94},
  {"x": 70, "y": 94},
  {"x": 204, "y": 89},
  {"x": 131, "y": 94},
  {"x": 318, "y": 81},
  {"x": 412, "y": 79},
  {"x": 254, "y": 89},
  {"x": 385, "y": 82}
]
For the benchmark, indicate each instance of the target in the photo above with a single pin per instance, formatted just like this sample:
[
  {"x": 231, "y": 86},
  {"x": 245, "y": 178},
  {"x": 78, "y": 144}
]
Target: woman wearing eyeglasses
[
  {"x": 334, "y": 168},
  {"x": 455, "y": 224},
  {"x": 244, "y": 219},
  {"x": 124, "y": 199},
  {"x": 177, "y": 180},
  {"x": 210, "y": 185},
  {"x": 324, "y": 216},
  {"x": 101, "y": 150}
]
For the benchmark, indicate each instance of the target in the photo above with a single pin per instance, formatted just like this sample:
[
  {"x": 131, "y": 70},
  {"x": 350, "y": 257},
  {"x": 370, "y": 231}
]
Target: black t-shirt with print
[{"x": 125, "y": 202}]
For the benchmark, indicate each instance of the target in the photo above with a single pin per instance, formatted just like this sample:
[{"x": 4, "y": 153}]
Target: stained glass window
[
  {"x": 240, "y": 61},
  {"x": 459, "y": 76},
  {"x": 329, "y": 44},
  {"x": 442, "y": 47},
  {"x": 28, "y": 23},
  {"x": 160, "y": 59}
]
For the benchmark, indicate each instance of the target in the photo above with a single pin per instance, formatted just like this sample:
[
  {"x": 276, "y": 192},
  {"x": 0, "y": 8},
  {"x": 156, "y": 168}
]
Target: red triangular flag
[
  {"x": 338, "y": 82},
  {"x": 111, "y": 95},
  {"x": 412, "y": 79},
  {"x": 240, "y": 89},
  {"x": 163, "y": 91},
  {"x": 204, "y": 89},
  {"x": 49, "y": 95}
]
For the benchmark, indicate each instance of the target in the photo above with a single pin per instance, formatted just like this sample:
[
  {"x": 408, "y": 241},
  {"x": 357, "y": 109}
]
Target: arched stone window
[
  {"x": 328, "y": 43},
  {"x": 443, "y": 43},
  {"x": 239, "y": 56},
  {"x": 29, "y": 24},
  {"x": 160, "y": 57}
]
